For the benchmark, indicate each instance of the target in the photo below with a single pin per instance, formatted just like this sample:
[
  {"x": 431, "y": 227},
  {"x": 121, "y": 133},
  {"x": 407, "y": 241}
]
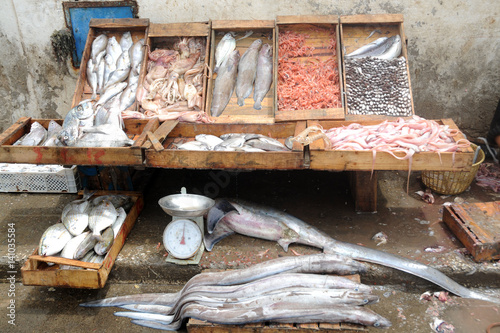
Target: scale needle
[{"x": 183, "y": 240}]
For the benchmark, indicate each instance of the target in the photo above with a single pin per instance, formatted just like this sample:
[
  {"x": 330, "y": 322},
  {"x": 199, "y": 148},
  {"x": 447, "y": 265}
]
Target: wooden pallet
[{"x": 477, "y": 226}]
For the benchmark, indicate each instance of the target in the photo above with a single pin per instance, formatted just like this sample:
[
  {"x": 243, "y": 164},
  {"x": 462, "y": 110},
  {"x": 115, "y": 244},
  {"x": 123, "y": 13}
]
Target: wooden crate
[
  {"x": 354, "y": 32},
  {"x": 318, "y": 30},
  {"x": 111, "y": 27},
  {"x": 73, "y": 155},
  {"x": 162, "y": 36},
  {"x": 477, "y": 226},
  {"x": 36, "y": 272},
  {"x": 363, "y": 160},
  {"x": 170, "y": 157},
  {"x": 199, "y": 326},
  {"x": 233, "y": 113}
]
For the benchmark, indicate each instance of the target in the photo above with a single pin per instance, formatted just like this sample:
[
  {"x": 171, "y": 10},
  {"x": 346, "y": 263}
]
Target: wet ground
[{"x": 414, "y": 230}]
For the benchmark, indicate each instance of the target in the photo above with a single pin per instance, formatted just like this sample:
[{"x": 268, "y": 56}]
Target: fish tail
[
  {"x": 257, "y": 105},
  {"x": 241, "y": 101},
  {"x": 217, "y": 212}
]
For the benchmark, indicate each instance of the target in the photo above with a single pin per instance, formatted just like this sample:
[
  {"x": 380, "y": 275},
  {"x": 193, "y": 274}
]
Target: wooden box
[
  {"x": 233, "y": 113},
  {"x": 111, "y": 27},
  {"x": 359, "y": 30},
  {"x": 73, "y": 155},
  {"x": 477, "y": 226},
  {"x": 364, "y": 160},
  {"x": 170, "y": 157},
  {"x": 36, "y": 272},
  {"x": 164, "y": 36},
  {"x": 321, "y": 47}
]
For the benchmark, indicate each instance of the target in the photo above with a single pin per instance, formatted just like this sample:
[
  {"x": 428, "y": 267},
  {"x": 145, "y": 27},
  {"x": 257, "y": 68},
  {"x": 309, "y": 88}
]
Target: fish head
[
  {"x": 84, "y": 109},
  {"x": 266, "y": 50},
  {"x": 256, "y": 44},
  {"x": 382, "y": 322},
  {"x": 68, "y": 136}
]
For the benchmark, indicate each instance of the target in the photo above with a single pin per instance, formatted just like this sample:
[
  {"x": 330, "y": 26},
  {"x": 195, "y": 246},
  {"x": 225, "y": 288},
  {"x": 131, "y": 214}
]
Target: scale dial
[{"x": 182, "y": 238}]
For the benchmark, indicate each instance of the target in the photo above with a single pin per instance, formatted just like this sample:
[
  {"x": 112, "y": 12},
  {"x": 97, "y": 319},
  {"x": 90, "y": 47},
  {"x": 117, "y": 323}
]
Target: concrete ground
[{"x": 322, "y": 199}]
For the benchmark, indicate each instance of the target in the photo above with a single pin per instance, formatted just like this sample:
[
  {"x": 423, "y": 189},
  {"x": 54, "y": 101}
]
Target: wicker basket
[{"x": 449, "y": 182}]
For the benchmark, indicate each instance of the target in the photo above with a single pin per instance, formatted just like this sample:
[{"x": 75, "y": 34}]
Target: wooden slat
[
  {"x": 291, "y": 19},
  {"x": 64, "y": 261},
  {"x": 15, "y": 131},
  {"x": 242, "y": 24},
  {"x": 119, "y": 23},
  {"x": 152, "y": 125},
  {"x": 374, "y": 18},
  {"x": 162, "y": 131},
  {"x": 179, "y": 29}
]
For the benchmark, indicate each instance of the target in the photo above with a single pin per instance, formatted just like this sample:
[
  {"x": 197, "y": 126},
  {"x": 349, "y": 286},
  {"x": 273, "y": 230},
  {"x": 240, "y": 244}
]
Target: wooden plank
[
  {"x": 119, "y": 23},
  {"x": 179, "y": 29},
  {"x": 154, "y": 141},
  {"x": 64, "y": 261},
  {"x": 291, "y": 19},
  {"x": 372, "y": 18},
  {"x": 15, "y": 131},
  {"x": 242, "y": 24},
  {"x": 364, "y": 189},
  {"x": 162, "y": 132},
  {"x": 152, "y": 125}
]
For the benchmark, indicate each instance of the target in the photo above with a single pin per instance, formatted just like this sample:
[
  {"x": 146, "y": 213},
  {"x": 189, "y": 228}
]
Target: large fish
[
  {"x": 264, "y": 75},
  {"x": 102, "y": 247},
  {"x": 223, "y": 50},
  {"x": 247, "y": 69},
  {"x": 136, "y": 55},
  {"x": 103, "y": 136},
  {"x": 224, "y": 84},
  {"x": 114, "y": 48},
  {"x": 271, "y": 224},
  {"x": 111, "y": 91},
  {"x": 86, "y": 246},
  {"x": 53, "y": 240},
  {"x": 98, "y": 45},
  {"x": 70, "y": 249},
  {"x": 101, "y": 217},
  {"x": 126, "y": 41},
  {"x": 127, "y": 98},
  {"x": 79, "y": 117},
  {"x": 52, "y": 131},
  {"x": 383, "y": 47}
]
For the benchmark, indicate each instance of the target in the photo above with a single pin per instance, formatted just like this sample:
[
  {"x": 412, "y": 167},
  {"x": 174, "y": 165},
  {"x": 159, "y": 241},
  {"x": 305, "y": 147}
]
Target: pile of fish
[
  {"x": 173, "y": 86},
  {"x": 252, "y": 71},
  {"x": 377, "y": 80},
  {"x": 87, "y": 228},
  {"x": 113, "y": 69},
  {"x": 245, "y": 142},
  {"x": 272, "y": 291},
  {"x": 39, "y": 136},
  {"x": 228, "y": 217}
]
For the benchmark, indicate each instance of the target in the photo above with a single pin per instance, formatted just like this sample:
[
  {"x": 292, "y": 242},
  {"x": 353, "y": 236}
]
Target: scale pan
[{"x": 186, "y": 205}]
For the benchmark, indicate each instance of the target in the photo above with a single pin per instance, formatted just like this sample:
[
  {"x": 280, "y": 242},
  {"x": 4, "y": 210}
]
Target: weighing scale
[{"x": 183, "y": 236}]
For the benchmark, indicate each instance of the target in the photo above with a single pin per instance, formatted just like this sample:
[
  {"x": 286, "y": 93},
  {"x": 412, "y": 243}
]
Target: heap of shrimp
[{"x": 306, "y": 84}]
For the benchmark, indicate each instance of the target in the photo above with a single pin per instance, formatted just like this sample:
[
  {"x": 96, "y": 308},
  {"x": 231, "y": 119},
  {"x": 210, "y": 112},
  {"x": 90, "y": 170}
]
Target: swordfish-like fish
[{"x": 227, "y": 217}]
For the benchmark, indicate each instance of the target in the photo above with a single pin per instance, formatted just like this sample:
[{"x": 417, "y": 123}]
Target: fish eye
[
  {"x": 79, "y": 108},
  {"x": 365, "y": 301},
  {"x": 377, "y": 324},
  {"x": 356, "y": 289}
]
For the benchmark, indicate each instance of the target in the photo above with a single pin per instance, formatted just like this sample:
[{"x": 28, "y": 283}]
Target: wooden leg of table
[{"x": 364, "y": 190}]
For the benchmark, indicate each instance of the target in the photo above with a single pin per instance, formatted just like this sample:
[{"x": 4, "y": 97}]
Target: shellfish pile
[{"x": 378, "y": 87}]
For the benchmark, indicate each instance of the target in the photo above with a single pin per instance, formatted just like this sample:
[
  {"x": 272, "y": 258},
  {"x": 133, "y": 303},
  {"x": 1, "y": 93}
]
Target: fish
[
  {"x": 117, "y": 225},
  {"x": 127, "y": 98},
  {"x": 69, "y": 250},
  {"x": 209, "y": 140},
  {"x": 101, "y": 217},
  {"x": 224, "y": 84},
  {"x": 264, "y": 75},
  {"x": 106, "y": 135},
  {"x": 382, "y": 48},
  {"x": 75, "y": 216},
  {"x": 110, "y": 66},
  {"x": 85, "y": 246},
  {"x": 133, "y": 77},
  {"x": 118, "y": 200},
  {"x": 75, "y": 120},
  {"x": 52, "y": 131},
  {"x": 117, "y": 76},
  {"x": 100, "y": 75},
  {"x": 223, "y": 50},
  {"x": 136, "y": 55},
  {"x": 92, "y": 77},
  {"x": 247, "y": 70},
  {"x": 98, "y": 45},
  {"x": 35, "y": 136},
  {"x": 126, "y": 41},
  {"x": 54, "y": 239},
  {"x": 103, "y": 246},
  {"x": 113, "y": 48},
  {"x": 193, "y": 145},
  {"x": 123, "y": 61},
  {"x": 267, "y": 144},
  {"x": 230, "y": 144},
  {"x": 111, "y": 91},
  {"x": 271, "y": 224}
]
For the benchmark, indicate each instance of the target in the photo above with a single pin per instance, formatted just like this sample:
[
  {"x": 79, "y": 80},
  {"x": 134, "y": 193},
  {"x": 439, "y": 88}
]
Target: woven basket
[{"x": 449, "y": 182}]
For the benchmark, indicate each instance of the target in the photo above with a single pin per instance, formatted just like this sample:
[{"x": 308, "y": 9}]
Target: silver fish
[
  {"x": 388, "y": 48},
  {"x": 69, "y": 250},
  {"x": 267, "y": 144},
  {"x": 127, "y": 98},
  {"x": 92, "y": 77},
  {"x": 230, "y": 144},
  {"x": 100, "y": 75},
  {"x": 393, "y": 50},
  {"x": 88, "y": 256},
  {"x": 223, "y": 50},
  {"x": 85, "y": 246},
  {"x": 210, "y": 140},
  {"x": 126, "y": 41},
  {"x": 101, "y": 217},
  {"x": 264, "y": 75},
  {"x": 110, "y": 66},
  {"x": 247, "y": 70},
  {"x": 117, "y": 225},
  {"x": 268, "y": 223},
  {"x": 98, "y": 60},
  {"x": 104, "y": 136},
  {"x": 111, "y": 91},
  {"x": 76, "y": 218},
  {"x": 133, "y": 77},
  {"x": 53, "y": 240},
  {"x": 224, "y": 84},
  {"x": 136, "y": 56},
  {"x": 113, "y": 48},
  {"x": 249, "y": 149},
  {"x": 193, "y": 145},
  {"x": 123, "y": 61},
  {"x": 117, "y": 76},
  {"x": 98, "y": 45},
  {"x": 52, "y": 131},
  {"x": 367, "y": 48},
  {"x": 102, "y": 247},
  {"x": 77, "y": 118},
  {"x": 118, "y": 200},
  {"x": 35, "y": 136}
]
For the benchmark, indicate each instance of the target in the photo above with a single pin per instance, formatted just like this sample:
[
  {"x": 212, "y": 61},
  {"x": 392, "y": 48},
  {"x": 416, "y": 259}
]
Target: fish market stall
[
  {"x": 50, "y": 266},
  {"x": 309, "y": 71},
  {"x": 250, "y": 53}
]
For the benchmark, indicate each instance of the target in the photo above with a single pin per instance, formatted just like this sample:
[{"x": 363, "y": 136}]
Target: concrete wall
[{"x": 453, "y": 47}]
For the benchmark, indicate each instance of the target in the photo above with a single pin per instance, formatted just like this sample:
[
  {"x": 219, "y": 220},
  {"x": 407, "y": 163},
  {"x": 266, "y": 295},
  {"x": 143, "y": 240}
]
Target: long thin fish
[
  {"x": 247, "y": 69},
  {"x": 264, "y": 75},
  {"x": 224, "y": 84}
]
